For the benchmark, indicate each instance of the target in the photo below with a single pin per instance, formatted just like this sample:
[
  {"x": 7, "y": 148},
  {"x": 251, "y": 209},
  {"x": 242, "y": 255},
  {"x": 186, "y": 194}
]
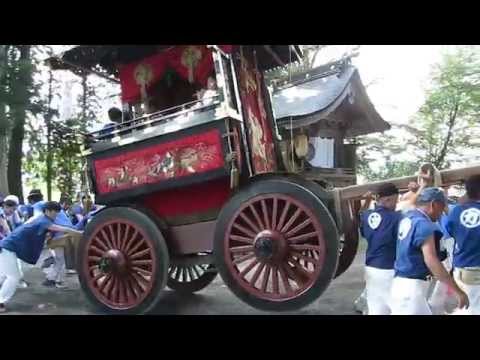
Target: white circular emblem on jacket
[
  {"x": 404, "y": 228},
  {"x": 470, "y": 218},
  {"x": 374, "y": 220}
]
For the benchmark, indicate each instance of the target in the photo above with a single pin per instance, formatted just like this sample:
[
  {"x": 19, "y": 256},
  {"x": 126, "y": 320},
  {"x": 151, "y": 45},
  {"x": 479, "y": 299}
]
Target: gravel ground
[{"x": 216, "y": 299}]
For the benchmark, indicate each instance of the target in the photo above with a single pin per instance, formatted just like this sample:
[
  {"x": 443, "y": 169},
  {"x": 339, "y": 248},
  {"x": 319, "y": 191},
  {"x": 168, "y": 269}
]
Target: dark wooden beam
[
  {"x": 98, "y": 73},
  {"x": 274, "y": 55}
]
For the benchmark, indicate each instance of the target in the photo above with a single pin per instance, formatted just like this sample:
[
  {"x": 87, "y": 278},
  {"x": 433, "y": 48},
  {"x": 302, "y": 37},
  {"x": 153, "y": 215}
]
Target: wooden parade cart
[
  {"x": 319, "y": 113},
  {"x": 194, "y": 188}
]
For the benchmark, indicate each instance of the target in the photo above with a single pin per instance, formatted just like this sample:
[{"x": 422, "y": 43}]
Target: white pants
[
  {"x": 44, "y": 255},
  {"x": 409, "y": 297},
  {"x": 448, "y": 244},
  {"x": 439, "y": 291},
  {"x": 438, "y": 299},
  {"x": 20, "y": 268},
  {"x": 360, "y": 303},
  {"x": 378, "y": 286},
  {"x": 473, "y": 293},
  {"x": 58, "y": 269},
  {"x": 10, "y": 274}
]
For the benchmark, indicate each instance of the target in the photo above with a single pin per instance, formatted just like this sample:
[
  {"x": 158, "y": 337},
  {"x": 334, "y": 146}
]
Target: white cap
[{"x": 12, "y": 198}]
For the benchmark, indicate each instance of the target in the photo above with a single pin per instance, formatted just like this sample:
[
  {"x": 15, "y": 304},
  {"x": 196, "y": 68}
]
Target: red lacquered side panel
[
  {"x": 189, "y": 200},
  {"x": 188, "y": 156}
]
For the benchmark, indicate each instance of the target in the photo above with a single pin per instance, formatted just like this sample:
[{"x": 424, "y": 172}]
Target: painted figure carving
[
  {"x": 257, "y": 135},
  {"x": 173, "y": 163}
]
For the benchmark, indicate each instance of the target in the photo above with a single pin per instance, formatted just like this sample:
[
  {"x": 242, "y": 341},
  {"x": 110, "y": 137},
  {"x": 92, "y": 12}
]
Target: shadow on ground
[{"x": 214, "y": 300}]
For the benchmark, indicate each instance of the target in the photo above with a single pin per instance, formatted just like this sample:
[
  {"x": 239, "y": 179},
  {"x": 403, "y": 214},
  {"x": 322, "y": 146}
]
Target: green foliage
[
  {"x": 4, "y": 121},
  {"x": 18, "y": 81},
  {"x": 65, "y": 152},
  {"x": 61, "y": 146},
  {"x": 448, "y": 120},
  {"x": 86, "y": 118},
  {"x": 66, "y": 148},
  {"x": 445, "y": 127},
  {"x": 311, "y": 54},
  {"x": 388, "y": 147},
  {"x": 88, "y": 103},
  {"x": 20, "y": 90},
  {"x": 35, "y": 165},
  {"x": 391, "y": 169}
]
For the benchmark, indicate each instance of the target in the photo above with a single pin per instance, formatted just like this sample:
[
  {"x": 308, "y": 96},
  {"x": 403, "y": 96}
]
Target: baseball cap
[
  {"x": 52, "y": 206},
  {"x": 35, "y": 192},
  {"x": 433, "y": 194},
  {"x": 12, "y": 198},
  {"x": 387, "y": 189}
]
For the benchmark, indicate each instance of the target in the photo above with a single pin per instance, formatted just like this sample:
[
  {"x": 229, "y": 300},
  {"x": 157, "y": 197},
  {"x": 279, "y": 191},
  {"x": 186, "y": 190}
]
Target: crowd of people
[
  {"x": 423, "y": 250},
  {"x": 26, "y": 230}
]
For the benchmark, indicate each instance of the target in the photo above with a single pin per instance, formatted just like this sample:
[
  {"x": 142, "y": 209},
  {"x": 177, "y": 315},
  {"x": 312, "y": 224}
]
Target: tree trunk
[
  {"x": 15, "y": 154},
  {"x": 3, "y": 160},
  {"x": 439, "y": 162},
  {"x": 19, "y": 113},
  {"x": 84, "y": 97},
  {"x": 83, "y": 180},
  {"x": 48, "y": 120},
  {"x": 3, "y": 122}
]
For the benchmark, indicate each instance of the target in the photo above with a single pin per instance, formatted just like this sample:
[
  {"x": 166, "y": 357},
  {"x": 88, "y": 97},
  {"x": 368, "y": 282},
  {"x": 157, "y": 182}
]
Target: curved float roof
[
  {"x": 105, "y": 57},
  {"x": 328, "y": 96}
]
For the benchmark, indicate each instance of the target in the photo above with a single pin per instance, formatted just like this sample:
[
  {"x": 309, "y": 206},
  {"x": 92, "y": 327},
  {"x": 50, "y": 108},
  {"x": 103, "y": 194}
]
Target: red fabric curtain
[
  {"x": 226, "y": 48},
  {"x": 149, "y": 71},
  {"x": 192, "y": 62}
]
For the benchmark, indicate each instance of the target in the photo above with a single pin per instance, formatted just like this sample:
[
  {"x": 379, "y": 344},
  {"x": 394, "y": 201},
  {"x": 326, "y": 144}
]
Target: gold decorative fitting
[
  {"x": 143, "y": 77},
  {"x": 234, "y": 178},
  {"x": 301, "y": 145},
  {"x": 191, "y": 56}
]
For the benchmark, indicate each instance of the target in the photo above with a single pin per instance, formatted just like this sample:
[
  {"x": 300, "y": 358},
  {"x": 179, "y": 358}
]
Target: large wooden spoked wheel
[
  {"x": 123, "y": 261},
  {"x": 189, "y": 279},
  {"x": 276, "y": 245}
]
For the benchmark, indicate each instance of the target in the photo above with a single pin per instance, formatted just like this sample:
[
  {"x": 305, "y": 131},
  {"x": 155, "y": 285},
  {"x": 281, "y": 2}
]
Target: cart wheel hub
[
  {"x": 269, "y": 245},
  {"x": 113, "y": 261}
]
